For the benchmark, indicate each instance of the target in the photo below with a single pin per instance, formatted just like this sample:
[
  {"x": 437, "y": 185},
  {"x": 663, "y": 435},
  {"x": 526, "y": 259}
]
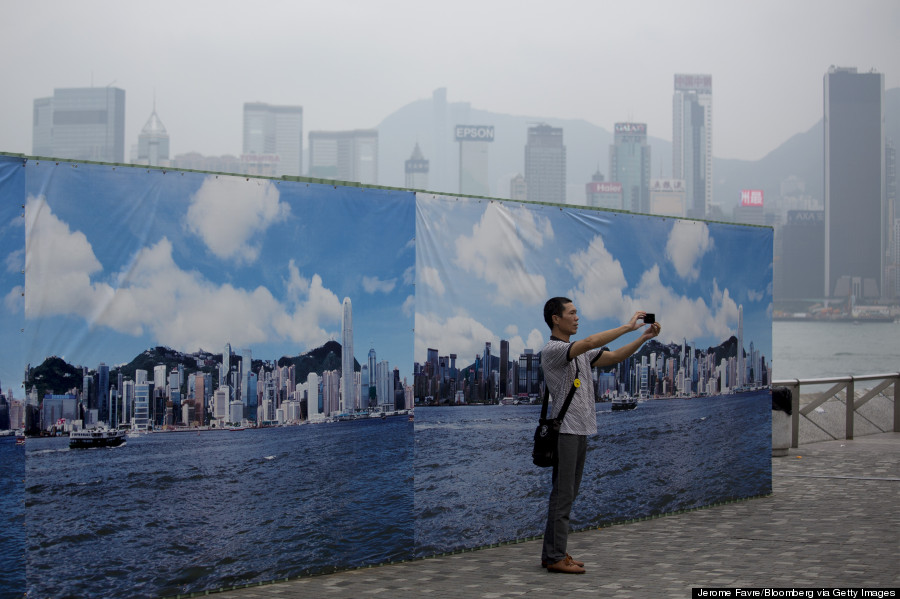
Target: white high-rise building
[
  {"x": 153, "y": 143},
  {"x": 384, "y": 386},
  {"x": 273, "y": 139},
  {"x": 220, "y": 405},
  {"x": 160, "y": 376},
  {"x": 141, "y": 420},
  {"x": 692, "y": 146},
  {"x": 312, "y": 397},
  {"x": 344, "y": 155},
  {"x": 348, "y": 403}
]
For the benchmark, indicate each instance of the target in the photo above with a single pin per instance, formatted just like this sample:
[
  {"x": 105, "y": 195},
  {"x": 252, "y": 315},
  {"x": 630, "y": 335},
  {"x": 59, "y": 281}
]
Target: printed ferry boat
[{"x": 96, "y": 437}]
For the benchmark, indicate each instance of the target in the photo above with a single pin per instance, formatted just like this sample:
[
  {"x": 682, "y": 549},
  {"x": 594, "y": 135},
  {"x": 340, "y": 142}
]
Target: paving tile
[{"x": 831, "y": 521}]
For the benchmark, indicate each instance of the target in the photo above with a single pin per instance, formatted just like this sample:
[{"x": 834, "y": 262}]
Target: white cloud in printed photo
[
  {"x": 497, "y": 253},
  {"x": 601, "y": 292},
  {"x": 688, "y": 242},
  {"x": 59, "y": 264},
  {"x": 154, "y": 296},
  {"x": 230, "y": 218},
  {"x": 376, "y": 285}
]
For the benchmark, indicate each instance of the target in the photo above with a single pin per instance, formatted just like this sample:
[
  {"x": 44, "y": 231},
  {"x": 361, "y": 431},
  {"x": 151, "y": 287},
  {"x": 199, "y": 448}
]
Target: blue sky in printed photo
[
  {"x": 485, "y": 269},
  {"x": 121, "y": 259}
]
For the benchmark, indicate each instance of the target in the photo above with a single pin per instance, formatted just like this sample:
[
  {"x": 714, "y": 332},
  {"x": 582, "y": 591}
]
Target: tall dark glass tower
[{"x": 855, "y": 219}]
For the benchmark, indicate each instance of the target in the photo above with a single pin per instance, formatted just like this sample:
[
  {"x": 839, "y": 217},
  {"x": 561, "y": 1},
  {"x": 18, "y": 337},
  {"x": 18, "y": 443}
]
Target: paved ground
[{"x": 832, "y": 521}]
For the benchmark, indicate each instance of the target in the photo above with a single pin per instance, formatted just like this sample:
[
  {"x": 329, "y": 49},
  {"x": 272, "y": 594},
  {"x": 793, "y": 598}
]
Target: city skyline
[
  {"x": 703, "y": 374},
  {"x": 693, "y": 37},
  {"x": 199, "y": 260}
]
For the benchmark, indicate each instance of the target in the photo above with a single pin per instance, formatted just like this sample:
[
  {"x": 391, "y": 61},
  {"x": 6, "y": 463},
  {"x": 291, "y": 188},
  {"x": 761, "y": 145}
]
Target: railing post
[
  {"x": 795, "y": 413},
  {"x": 897, "y": 403},
  {"x": 851, "y": 401}
]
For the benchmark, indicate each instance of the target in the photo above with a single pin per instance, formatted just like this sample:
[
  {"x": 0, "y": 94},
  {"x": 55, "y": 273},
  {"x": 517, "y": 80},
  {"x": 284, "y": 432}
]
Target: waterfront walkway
[{"x": 833, "y": 520}]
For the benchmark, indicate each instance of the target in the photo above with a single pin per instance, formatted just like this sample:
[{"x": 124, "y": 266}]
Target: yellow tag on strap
[{"x": 576, "y": 383}]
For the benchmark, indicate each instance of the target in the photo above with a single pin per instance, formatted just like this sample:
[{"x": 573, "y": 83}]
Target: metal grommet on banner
[{"x": 576, "y": 383}]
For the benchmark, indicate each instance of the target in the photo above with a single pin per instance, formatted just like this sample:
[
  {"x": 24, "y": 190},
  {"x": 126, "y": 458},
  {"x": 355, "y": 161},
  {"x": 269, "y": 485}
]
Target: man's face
[{"x": 568, "y": 322}]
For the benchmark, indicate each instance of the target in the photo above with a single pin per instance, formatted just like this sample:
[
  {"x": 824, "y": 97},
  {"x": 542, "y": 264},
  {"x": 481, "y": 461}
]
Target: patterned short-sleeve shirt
[{"x": 559, "y": 373}]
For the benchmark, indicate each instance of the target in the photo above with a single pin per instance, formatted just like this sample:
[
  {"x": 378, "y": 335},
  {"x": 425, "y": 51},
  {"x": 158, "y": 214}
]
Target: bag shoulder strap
[{"x": 562, "y": 412}]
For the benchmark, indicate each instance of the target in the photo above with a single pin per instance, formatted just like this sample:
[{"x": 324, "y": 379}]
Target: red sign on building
[{"x": 752, "y": 197}]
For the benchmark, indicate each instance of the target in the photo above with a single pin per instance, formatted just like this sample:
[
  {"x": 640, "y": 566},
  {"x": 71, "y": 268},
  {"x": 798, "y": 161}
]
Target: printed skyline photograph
[{"x": 195, "y": 262}]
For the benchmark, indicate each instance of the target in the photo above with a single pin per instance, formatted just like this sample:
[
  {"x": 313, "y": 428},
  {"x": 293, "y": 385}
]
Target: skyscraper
[
  {"x": 82, "y": 123},
  {"x": 247, "y": 398},
  {"x": 312, "y": 396},
  {"x": 602, "y": 194},
  {"x": 741, "y": 362},
  {"x": 855, "y": 214},
  {"x": 371, "y": 393},
  {"x": 692, "y": 151},
  {"x": 629, "y": 164},
  {"x": 347, "y": 387},
  {"x": 103, "y": 392},
  {"x": 153, "y": 143},
  {"x": 517, "y": 188},
  {"x": 344, "y": 155},
  {"x": 545, "y": 165},
  {"x": 473, "y": 143},
  {"x": 416, "y": 170},
  {"x": 225, "y": 371},
  {"x": 273, "y": 139}
]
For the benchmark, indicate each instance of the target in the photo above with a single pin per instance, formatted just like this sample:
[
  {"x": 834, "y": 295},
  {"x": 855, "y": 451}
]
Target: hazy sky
[{"x": 350, "y": 63}]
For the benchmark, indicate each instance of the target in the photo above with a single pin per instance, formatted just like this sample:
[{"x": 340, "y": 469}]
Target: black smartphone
[{"x": 649, "y": 318}]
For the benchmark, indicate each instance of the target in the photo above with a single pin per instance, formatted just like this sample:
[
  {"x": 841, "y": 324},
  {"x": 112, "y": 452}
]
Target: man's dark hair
[{"x": 554, "y": 307}]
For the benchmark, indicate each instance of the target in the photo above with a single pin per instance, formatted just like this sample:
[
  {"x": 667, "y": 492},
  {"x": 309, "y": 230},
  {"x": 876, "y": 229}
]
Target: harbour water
[
  {"x": 12, "y": 518},
  {"x": 180, "y": 512},
  {"x": 828, "y": 349},
  {"x": 171, "y": 513},
  {"x": 476, "y": 485}
]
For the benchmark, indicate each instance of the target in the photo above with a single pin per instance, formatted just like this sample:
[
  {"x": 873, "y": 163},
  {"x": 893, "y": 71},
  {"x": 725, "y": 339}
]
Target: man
[{"x": 559, "y": 359}]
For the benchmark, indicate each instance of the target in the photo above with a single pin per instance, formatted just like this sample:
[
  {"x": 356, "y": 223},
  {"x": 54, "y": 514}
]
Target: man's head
[{"x": 554, "y": 307}]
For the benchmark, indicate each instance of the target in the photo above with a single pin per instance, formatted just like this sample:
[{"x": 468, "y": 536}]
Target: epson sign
[{"x": 474, "y": 133}]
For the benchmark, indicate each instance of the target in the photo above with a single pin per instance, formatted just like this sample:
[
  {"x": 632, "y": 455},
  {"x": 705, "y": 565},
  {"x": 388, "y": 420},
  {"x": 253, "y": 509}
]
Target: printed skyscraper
[
  {"x": 348, "y": 399},
  {"x": 855, "y": 220},
  {"x": 83, "y": 123},
  {"x": 692, "y": 152}
]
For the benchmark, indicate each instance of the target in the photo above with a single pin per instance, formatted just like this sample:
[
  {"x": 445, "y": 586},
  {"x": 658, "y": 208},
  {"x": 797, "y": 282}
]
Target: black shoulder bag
[{"x": 546, "y": 435}]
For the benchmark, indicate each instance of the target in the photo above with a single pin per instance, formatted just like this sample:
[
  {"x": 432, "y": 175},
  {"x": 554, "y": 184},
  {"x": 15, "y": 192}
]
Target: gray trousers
[{"x": 566, "y": 481}]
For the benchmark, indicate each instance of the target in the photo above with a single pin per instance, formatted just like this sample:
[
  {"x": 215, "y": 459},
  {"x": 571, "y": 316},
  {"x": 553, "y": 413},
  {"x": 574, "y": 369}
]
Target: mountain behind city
[
  {"x": 799, "y": 159},
  {"x": 56, "y": 376}
]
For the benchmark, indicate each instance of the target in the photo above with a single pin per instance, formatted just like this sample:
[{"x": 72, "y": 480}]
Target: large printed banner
[
  {"x": 259, "y": 345},
  {"x": 694, "y": 426}
]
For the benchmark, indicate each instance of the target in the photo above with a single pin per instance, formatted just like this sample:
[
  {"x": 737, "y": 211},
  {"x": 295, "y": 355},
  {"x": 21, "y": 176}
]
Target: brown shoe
[
  {"x": 566, "y": 566},
  {"x": 544, "y": 563}
]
